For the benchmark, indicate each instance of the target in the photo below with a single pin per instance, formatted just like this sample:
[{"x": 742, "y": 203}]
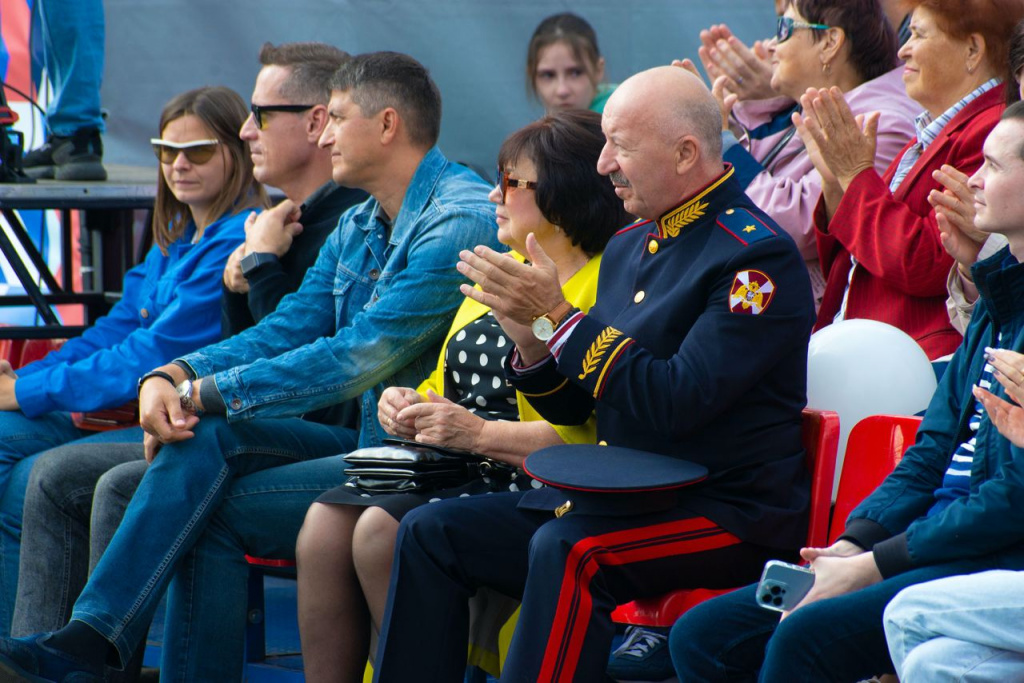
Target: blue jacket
[
  {"x": 893, "y": 521},
  {"x": 697, "y": 348},
  {"x": 170, "y": 306},
  {"x": 393, "y": 297}
]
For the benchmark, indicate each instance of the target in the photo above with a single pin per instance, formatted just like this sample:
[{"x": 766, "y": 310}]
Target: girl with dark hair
[
  {"x": 170, "y": 305},
  {"x": 564, "y": 67},
  {"x": 547, "y": 187}
]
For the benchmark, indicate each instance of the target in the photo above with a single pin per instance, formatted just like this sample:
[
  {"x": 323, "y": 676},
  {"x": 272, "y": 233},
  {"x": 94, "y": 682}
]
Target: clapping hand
[
  {"x": 954, "y": 215},
  {"x": 746, "y": 71}
]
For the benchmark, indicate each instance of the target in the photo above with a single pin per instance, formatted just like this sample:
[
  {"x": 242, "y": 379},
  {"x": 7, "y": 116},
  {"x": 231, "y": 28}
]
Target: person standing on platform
[{"x": 73, "y": 34}]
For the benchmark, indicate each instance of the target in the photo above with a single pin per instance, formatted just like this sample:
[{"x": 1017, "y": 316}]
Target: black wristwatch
[{"x": 256, "y": 260}]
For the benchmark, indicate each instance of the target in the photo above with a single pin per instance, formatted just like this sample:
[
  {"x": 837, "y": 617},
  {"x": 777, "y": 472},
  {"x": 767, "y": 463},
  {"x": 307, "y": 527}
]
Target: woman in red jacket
[{"x": 877, "y": 237}]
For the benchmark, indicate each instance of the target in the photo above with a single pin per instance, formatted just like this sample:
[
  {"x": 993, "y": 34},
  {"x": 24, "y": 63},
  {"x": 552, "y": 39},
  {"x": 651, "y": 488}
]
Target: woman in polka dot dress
[{"x": 547, "y": 185}]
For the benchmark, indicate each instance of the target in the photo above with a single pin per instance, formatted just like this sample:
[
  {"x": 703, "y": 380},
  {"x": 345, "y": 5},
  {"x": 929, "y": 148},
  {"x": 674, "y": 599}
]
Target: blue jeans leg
[
  {"x": 732, "y": 638},
  {"x": 58, "y": 517},
  {"x": 981, "y": 610},
  {"x": 22, "y": 439},
  {"x": 73, "y": 33},
  {"x": 204, "y": 631},
  {"x": 180, "y": 492}
]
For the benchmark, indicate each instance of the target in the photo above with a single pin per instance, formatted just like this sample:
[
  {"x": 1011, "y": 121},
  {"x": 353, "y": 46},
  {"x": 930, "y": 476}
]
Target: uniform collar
[{"x": 696, "y": 207}]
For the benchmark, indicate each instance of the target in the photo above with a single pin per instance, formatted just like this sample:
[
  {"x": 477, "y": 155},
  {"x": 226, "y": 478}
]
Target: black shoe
[
  {"x": 30, "y": 660},
  {"x": 74, "y": 157}
]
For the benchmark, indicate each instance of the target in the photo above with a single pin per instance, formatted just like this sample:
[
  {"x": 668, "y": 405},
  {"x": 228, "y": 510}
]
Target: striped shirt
[{"x": 956, "y": 483}]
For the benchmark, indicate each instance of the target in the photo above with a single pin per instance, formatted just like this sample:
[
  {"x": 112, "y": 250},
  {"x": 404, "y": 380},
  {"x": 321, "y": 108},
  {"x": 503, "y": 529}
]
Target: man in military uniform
[{"x": 696, "y": 349}]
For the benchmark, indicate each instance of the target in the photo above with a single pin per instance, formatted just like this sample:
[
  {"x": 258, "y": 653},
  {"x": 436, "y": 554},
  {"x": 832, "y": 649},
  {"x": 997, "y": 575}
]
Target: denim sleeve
[
  {"x": 411, "y": 315},
  {"x": 122, "y": 347},
  {"x": 301, "y": 317}
]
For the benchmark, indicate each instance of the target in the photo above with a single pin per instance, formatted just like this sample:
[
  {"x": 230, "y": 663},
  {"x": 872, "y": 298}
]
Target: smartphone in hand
[{"x": 783, "y": 585}]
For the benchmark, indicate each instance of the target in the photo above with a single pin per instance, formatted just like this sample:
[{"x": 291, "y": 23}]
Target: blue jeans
[
  {"x": 177, "y": 498},
  {"x": 261, "y": 514},
  {"x": 733, "y": 638},
  {"x": 63, "y": 532},
  {"x": 962, "y": 628},
  {"x": 73, "y": 33},
  {"x": 22, "y": 440}
]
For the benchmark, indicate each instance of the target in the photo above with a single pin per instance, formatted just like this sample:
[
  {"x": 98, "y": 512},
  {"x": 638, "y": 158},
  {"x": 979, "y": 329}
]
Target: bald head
[
  {"x": 662, "y": 125},
  {"x": 674, "y": 103}
]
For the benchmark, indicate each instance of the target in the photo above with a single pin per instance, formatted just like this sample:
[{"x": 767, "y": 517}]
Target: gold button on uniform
[
  {"x": 639, "y": 296},
  {"x": 602, "y": 442},
  {"x": 144, "y": 313},
  {"x": 652, "y": 246},
  {"x": 730, "y": 212}
]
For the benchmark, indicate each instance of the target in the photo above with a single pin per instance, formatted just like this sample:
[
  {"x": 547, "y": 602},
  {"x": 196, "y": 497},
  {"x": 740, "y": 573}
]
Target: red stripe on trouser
[{"x": 683, "y": 537}]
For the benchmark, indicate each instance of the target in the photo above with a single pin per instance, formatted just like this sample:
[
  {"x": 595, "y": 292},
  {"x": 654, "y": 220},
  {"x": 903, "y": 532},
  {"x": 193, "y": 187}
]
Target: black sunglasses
[
  {"x": 505, "y": 181},
  {"x": 258, "y": 110}
]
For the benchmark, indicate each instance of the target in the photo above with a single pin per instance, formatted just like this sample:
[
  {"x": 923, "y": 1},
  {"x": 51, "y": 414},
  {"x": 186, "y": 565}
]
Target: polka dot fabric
[{"x": 475, "y": 365}]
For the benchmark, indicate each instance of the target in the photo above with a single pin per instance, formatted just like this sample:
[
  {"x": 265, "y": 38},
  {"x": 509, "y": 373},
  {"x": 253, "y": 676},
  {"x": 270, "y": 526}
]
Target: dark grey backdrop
[{"x": 475, "y": 50}]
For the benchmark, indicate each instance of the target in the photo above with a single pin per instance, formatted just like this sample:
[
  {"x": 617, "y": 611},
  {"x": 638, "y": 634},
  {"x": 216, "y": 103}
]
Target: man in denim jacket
[{"x": 388, "y": 275}]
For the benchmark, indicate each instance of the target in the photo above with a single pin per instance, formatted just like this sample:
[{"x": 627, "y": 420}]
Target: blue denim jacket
[
  {"x": 170, "y": 306},
  {"x": 393, "y": 298}
]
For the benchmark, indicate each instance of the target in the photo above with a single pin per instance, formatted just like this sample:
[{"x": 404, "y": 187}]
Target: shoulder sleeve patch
[
  {"x": 751, "y": 292},
  {"x": 744, "y": 226}
]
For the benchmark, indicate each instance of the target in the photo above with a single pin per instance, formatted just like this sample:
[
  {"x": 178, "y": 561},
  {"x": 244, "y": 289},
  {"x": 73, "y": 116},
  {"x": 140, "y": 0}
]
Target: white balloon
[{"x": 864, "y": 367}]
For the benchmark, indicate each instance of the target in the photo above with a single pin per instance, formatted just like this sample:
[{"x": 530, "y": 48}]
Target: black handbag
[{"x": 402, "y": 466}]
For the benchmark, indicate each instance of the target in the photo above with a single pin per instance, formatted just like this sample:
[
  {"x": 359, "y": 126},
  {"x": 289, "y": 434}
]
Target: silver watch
[{"x": 185, "y": 396}]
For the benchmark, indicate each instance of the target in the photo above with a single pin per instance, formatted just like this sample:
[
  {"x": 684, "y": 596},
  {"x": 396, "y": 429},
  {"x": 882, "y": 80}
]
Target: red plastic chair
[
  {"x": 255, "y": 631},
  {"x": 34, "y": 349},
  {"x": 876, "y": 445},
  {"x": 821, "y": 443}
]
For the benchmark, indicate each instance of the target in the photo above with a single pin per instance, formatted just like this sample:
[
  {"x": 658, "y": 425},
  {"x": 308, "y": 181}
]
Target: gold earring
[{"x": 826, "y": 68}]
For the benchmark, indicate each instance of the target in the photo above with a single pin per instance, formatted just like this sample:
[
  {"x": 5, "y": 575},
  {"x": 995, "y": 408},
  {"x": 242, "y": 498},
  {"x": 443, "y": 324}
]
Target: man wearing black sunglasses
[{"x": 282, "y": 243}]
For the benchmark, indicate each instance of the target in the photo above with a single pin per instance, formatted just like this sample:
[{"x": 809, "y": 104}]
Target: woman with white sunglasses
[{"x": 170, "y": 304}]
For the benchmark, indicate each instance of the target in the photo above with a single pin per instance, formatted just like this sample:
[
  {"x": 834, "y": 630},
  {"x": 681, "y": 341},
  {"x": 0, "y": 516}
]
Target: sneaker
[
  {"x": 74, "y": 157},
  {"x": 643, "y": 656},
  {"x": 30, "y": 660}
]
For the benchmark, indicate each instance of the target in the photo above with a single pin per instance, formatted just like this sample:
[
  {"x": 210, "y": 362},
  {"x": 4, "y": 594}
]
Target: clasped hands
[
  {"x": 841, "y": 568},
  {"x": 160, "y": 413},
  {"x": 269, "y": 232}
]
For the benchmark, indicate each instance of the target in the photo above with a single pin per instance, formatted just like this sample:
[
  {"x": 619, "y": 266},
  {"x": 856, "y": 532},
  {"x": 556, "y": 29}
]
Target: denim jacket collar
[{"x": 417, "y": 195}]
